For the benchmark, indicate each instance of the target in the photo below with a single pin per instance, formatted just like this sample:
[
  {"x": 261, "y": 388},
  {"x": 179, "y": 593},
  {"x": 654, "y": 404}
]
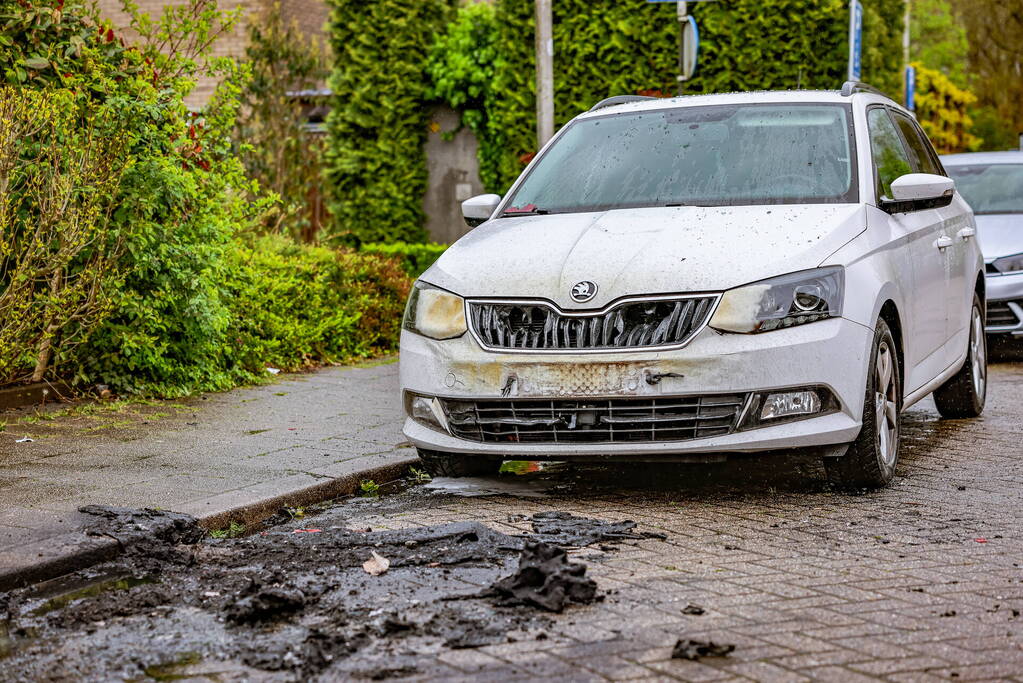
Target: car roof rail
[
  {"x": 620, "y": 99},
  {"x": 850, "y": 88}
]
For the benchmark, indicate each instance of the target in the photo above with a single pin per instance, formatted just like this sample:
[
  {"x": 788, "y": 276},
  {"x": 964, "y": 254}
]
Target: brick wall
[{"x": 311, "y": 15}]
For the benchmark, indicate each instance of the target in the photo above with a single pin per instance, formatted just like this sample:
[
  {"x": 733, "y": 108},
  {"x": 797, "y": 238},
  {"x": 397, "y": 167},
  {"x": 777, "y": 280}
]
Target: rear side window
[
  {"x": 887, "y": 150},
  {"x": 921, "y": 157}
]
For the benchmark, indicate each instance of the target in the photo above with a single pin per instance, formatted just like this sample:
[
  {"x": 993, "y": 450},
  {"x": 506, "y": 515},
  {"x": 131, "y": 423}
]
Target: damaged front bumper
[{"x": 706, "y": 398}]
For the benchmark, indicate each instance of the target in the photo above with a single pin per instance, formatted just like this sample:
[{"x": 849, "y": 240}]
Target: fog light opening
[
  {"x": 428, "y": 411},
  {"x": 790, "y": 403}
]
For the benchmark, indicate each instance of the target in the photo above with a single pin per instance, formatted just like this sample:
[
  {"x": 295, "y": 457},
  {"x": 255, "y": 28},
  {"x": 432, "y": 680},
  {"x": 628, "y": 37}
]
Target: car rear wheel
[
  {"x": 965, "y": 393},
  {"x": 871, "y": 459},
  {"x": 439, "y": 464}
]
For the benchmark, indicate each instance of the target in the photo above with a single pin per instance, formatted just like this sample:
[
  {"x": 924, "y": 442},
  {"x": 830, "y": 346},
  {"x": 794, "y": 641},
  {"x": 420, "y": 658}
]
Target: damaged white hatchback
[{"x": 684, "y": 279}]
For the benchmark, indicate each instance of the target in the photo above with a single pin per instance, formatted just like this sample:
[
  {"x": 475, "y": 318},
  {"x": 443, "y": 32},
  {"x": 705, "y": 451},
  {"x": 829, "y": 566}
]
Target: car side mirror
[
  {"x": 918, "y": 191},
  {"x": 479, "y": 209}
]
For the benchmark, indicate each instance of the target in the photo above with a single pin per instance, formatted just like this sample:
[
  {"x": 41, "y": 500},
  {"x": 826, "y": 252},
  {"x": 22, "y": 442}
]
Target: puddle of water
[{"x": 64, "y": 593}]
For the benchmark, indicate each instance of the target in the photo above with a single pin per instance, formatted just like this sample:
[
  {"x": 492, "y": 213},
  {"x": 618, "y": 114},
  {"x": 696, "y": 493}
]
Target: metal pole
[
  {"x": 852, "y": 75},
  {"x": 683, "y": 14},
  {"x": 906, "y": 36},
  {"x": 544, "y": 73}
]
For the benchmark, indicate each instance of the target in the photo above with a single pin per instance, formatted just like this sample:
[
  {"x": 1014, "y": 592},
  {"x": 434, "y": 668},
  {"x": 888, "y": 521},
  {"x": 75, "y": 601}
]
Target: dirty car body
[
  {"x": 688, "y": 278},
  {"x": 992, "y": 182}
]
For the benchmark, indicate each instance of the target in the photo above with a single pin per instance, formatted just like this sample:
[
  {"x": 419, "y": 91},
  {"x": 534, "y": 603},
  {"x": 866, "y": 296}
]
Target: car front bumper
[
  {"x": 831, "y": 354},
  {"x": 1005, "y": 304}
]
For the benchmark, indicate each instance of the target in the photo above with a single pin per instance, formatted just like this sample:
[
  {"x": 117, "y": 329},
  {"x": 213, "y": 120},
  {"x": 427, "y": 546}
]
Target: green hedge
[
  {"x": 630, "y": 46},
  {"x": 295, "y": 306},
  {"x": 462, "y": 65},
  {"x": 376, "y": 129},
  {"x": 414, "y": 258},
  {"x": 192, "y": 302}
]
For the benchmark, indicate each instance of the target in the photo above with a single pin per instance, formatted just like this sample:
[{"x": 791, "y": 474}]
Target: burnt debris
[{"x": 545, "y": 579}]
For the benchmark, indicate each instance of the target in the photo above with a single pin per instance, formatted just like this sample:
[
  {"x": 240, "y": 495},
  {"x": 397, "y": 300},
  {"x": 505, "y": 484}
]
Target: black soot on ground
[{"x": 294, "y": 603}]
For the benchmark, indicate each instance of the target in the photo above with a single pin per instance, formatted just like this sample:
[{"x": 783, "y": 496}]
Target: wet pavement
[
  {"x": 209, "y": 455},
  {"x": 920, "y": 581}
]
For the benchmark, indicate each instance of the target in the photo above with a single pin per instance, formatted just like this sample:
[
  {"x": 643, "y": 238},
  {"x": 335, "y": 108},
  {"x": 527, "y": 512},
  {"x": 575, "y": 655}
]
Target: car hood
[
  {"x": 1000, "y": 234},
  {"x": 642, "y": 251}
]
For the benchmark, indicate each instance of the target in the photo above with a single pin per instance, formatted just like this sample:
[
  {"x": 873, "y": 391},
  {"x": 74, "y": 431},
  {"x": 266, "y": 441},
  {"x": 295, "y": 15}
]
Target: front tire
[
  {"x": 871, "y": 459},
  {"x": 439, "y": 464},
  {"x": 965, "y": 393}
]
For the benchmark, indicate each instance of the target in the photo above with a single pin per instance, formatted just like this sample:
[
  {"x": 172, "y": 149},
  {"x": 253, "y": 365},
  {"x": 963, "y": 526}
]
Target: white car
[
  {"x": 992, "y": 182},
  {"x": 701, "y": 276}
]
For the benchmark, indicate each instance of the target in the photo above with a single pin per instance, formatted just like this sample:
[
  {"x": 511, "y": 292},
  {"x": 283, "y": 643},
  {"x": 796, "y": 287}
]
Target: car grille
[
  {"x": 616, "y": 420},
  {"x": 999, "y": 314},
  {"x": 629, "y": 325}
]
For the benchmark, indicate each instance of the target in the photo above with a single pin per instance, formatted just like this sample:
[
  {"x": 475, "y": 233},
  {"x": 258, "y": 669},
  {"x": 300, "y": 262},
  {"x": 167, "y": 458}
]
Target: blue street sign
[
  {"x": 911, "y": 88},
  {"x": 855, "y": 38}
]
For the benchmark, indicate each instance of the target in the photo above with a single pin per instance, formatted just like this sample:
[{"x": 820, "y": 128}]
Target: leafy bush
[
  {"x": 157, "y": 242},
  {"x": 630, "y": 46},
  {"x": 59, "y": 250},
  {"x": 376, "y": 129},
  {"x": 178, "y": 198},
  {"x": 294, "y": 306},
  {"x": 941, "y": 108},
  {"x": 414, "y": 258}
]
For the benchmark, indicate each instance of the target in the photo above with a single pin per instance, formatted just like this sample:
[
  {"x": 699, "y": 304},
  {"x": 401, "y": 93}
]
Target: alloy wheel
[
  {"x": 886, "y": 404},
  {"x": 978, "y": 353}
]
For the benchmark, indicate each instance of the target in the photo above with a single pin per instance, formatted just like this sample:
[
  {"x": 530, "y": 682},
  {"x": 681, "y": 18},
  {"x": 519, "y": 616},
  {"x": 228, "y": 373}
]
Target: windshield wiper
[{"x": 531, "y": 212}]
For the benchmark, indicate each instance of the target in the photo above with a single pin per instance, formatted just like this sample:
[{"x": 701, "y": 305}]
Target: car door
[
  {"x": 916, "y": 251},
  {"x": 957, "y": 224}
]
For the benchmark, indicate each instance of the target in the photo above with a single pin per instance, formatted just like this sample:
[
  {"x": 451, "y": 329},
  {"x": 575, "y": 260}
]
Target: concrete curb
[{"x": 68, "y": 552}]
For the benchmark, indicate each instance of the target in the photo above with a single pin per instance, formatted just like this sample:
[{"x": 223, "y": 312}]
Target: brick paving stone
[{"x": 819, "y": 585}]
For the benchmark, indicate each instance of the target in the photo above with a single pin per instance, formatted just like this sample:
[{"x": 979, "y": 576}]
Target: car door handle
[
  {"x": 966, "y": 233},
  {"x": 944, "y": 242}
]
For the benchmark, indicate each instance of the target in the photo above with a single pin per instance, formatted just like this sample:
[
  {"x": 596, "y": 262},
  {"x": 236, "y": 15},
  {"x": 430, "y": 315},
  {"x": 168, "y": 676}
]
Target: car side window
[
  {"x": 887, "y": 150},
  {"x": 919, "y": 149}
]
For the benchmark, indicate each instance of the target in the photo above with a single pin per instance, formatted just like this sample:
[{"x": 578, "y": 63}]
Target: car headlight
[
  {"x": 1008, "y": 264},
  {"x": 793, "y": 299},
  {"x": 434, "y": 313}
]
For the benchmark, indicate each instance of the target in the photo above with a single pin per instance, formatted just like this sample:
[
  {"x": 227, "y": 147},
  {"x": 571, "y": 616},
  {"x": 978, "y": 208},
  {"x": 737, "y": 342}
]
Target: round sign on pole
[{"x": 690, "y": 47}]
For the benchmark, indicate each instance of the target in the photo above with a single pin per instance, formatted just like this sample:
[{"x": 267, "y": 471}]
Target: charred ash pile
[{"x": 291, "y": 603}]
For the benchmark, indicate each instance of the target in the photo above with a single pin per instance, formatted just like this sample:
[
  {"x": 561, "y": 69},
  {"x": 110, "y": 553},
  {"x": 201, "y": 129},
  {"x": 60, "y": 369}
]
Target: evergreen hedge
[
  {"x": 631, "y": 46},
  {"x": 376, "y": 167}
]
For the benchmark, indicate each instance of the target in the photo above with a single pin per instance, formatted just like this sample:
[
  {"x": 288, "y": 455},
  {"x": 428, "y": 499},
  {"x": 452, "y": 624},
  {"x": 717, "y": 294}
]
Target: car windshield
[
  {"x": 990, "y": 188},
  {"x": 704, "y": 156}
]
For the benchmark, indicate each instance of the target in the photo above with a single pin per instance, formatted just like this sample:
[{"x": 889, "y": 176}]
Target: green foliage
[
  {"x": 294, "y": 306},
  {"x": 272, "y": 141},
  {"x": 189, "y": 303},
  {"x": 938, "y": 39},
  {"x": 378, "y": 120},
  {"x": 415, "y": 258},
  {"x": 942, "y": 109},
  {"x": 369, "y": 488},
  {"x": 462, "y": 67},
  {"x": 604, "y": 49},
  {"x": 235, "y": 530},
  {"x": 178, "y": 199}
]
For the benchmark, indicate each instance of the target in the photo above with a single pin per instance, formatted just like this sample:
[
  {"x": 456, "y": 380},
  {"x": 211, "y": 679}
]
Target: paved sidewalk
[{"x": 205, "y": 455}]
